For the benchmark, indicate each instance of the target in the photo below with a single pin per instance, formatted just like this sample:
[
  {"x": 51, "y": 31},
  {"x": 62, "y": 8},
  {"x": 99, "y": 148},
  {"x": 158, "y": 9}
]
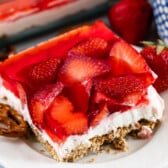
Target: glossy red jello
[{"x": 73, "y": 81}]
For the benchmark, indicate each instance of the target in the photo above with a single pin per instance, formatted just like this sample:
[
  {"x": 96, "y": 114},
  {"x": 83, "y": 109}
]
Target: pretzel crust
[{"x": 12, "y": 123}]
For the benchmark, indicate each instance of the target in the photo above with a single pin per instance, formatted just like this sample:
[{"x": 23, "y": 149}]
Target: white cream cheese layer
[
  {"x": 42, "y": 18},
  {"x": 152, "y": 111}
]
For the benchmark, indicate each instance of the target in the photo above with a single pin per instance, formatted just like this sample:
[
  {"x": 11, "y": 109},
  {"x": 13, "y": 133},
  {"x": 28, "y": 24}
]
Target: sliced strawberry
[
  {"x": 54, "y": 137},
  {"x": 44, "y": 72},
  {"x": 97, "y": 115},
  {"x": 79, "y": 94},
  {"x": 111, "y": 104},
  {"x": 22, "y": 94},
  {"x": 124, "y": 59},
  {"x": 46, "y": 94},
  {"x": 62, "y": 120},
  {"x": 36, "y": 112},
  {"x": 15, "y": 87},
  {"x": 127, "y": 89},
  {"x": 114, "y": 107},
  {"x": 56, "y": 47},
  {"x": 77, "y": 124},
  {"x": 100, "y": 98},
  {"x": 79, "y": 68},
  {"x": 41, "y": 100},
  {"x": 91, "y": 47},
  {"x": 60, "y": 109}
]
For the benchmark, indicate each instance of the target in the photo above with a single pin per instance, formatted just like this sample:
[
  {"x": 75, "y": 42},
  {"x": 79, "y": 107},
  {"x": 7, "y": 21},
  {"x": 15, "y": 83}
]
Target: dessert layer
[
  {"x": 11, "y": 9},
  {"x": 150, "y": 112},
  {"x": 116, "y": 142},
  {"x": 30, "y": 19}
]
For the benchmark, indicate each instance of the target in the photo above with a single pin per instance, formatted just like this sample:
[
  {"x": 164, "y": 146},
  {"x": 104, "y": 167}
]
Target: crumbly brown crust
[
  {"x": 117, "y": 141},
  {"x": 12, "y": 123}
]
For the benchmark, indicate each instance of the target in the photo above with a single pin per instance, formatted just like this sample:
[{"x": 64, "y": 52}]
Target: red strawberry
[
  {"x": 79, "y": 94},
  {"x": 77, "y": 124},
  {"x": 44, "y": 72},
  {"x": 54, "y": 137},
  {"x": 103, "y": 105},
  {"x": 14, "y": 86},
  {"x": 97, "y": 115},
  {"x": 41, "y": 100},
  {"x": 161, "y": 83},
  {"x": 91, "y": 47},
  {"x": 100, "y": 97},
  {"x": 124, "y": 60},
  {"x": 131, "y": 19},
  {"x": 79, "y": 68},
  {"x": 112, "y": 104},
  {"x": 157, "y": 59},
  {"x": 62, "y": 120},
  {"x": 126, "y": 89}
]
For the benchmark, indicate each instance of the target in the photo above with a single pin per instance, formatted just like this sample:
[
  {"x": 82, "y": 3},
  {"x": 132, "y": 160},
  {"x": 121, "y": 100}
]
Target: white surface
[{"x": 17, "y": 153}]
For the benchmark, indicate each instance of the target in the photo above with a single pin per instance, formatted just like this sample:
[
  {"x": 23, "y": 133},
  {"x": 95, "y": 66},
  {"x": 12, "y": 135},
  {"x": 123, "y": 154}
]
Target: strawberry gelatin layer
[{"x": 82, "y": 84}]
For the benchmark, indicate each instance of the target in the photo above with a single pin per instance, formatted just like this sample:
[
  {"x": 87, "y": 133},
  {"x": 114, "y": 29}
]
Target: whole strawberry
[
  {"x": 131, "y": 19},
  {"x": 157, "y": 58}
]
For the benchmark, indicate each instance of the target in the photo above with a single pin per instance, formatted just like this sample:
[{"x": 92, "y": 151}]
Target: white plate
[{"x": 17, "y": 153}]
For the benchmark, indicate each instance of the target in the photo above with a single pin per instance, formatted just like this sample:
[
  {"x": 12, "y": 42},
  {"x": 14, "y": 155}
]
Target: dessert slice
[
  {"x": 80, "y": 90},
  {"x": 19, "y": 15}
]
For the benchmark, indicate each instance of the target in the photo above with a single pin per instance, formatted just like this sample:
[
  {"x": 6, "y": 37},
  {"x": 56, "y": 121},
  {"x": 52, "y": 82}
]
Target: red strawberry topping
[
  {"x": 44, "y": 72},
  {"x": 79, "y": 94},
  {"x": 124, "y": 89},
  {"x": 125, "y": 60},
  {"x": 62, "y": 120},
  {"x": 79, "y": 68},
  {"x": 56, "y": 138},
  {"x": 96, "y": 115},
  {"x": 91, "y": 47},
  {"x": 131, "y": 19},
  {"x": 41, "y": 100},
  {"x": 157, "y": 59},
  {"x": 112, "y": 105}
]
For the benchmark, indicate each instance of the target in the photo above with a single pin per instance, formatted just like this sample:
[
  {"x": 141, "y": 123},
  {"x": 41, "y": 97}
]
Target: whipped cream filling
[
  {"x": 152, "y": 111},
  {"x": 45, "y": 17}
]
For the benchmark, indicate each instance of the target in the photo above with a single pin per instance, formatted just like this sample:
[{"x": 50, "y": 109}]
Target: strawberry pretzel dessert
[
  {"x": 80, "y": 90},
  {"x": 21, "y": 15}
]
